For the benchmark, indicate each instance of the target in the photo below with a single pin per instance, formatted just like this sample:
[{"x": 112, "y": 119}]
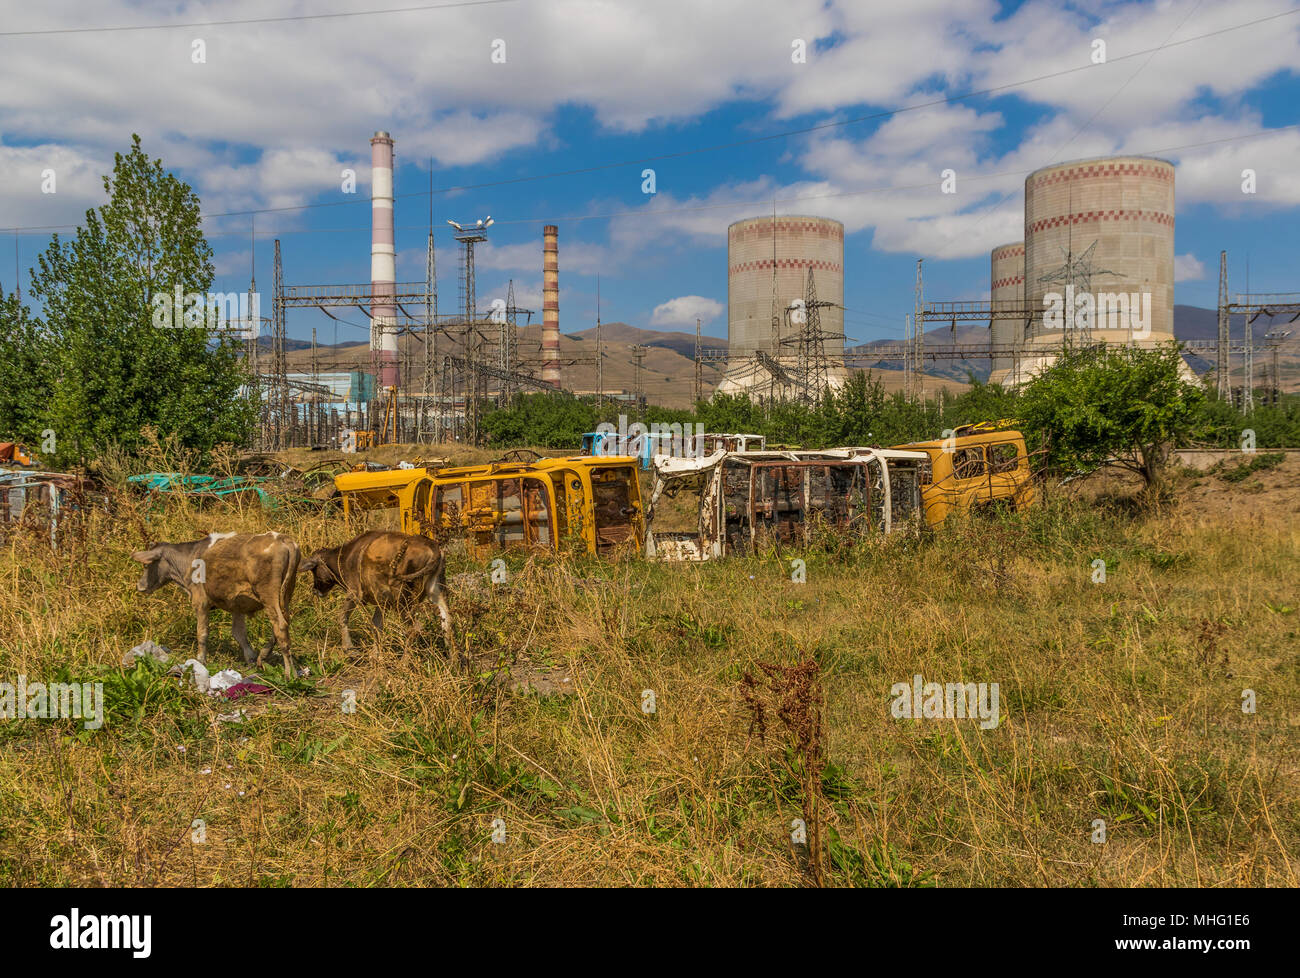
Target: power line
[
  {"x": 988, "y": 210},
  {"x": 695, "y": 208},
  {"x": 253, "y": 20},
  {"x": 686, "y": 209},
  {"x": 884, "y": 114}
]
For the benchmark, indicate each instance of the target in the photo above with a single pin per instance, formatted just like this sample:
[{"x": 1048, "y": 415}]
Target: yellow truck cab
[
  {"x": 511, "y": 505},
  {"x": 980, "y": 465}
]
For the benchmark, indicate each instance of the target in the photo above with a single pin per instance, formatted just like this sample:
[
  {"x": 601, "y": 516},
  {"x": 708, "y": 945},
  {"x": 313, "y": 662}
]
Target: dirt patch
[
  {"x": 1269, "y": 493},
  {"x": 527, "y": 677}
]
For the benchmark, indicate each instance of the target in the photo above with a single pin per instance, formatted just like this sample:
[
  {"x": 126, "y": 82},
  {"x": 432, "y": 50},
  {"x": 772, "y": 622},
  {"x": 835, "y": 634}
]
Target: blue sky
[{"x": 274, "y": 113}]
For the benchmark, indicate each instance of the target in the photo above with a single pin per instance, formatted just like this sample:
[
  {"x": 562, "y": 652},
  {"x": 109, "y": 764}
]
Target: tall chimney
[
  {"x": 383, "y": 261},
  {"x": 551, "y": 305}
]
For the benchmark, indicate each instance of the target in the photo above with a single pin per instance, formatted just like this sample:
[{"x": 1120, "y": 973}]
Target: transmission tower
[
  {"x": 812, "y": 368},
  {"x": 1221, "y": 362},
  {"x": 918, "y": 343},
  {"x": 430, "y": 317},
  {"x": 816, "y": 377},
  {"x": 699, "y": 377},
  {"x": 1248, "y": 395},
  {"x": 505, "y": 344},
  {"x": 638, "y": 359},
  {"x": 279, "y": 392},
  {"x": 254, "y": 340},
  {"x": 907, "y": 356}
]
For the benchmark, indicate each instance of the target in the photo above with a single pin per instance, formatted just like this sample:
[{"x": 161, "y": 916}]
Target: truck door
[
  {"x": 1004, "y": 462},
  {"x": 779, "y": 500},
  {"x": 615, "y": 507}
]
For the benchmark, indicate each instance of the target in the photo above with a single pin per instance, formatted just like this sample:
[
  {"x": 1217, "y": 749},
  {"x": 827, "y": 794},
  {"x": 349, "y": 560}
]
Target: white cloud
[
  {"x": 231, "y": 262},
  {"x": 463, "y": 138},
  {"x": 427, "y": 76},
  {"x": 577, "y": 257},
  {"x": 78, "y": 185},
  {"x": 1188, "y": 268},
  {"x": 279, "y": 109},
  {"x": 280, "y": 178},
  {"x": 528, "y": 295},
  {"x": 1042, "y": 38},
  {"x": 685, "y": 309}
]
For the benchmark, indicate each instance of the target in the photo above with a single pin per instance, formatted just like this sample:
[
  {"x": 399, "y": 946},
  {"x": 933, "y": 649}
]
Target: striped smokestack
[
  {"x": 551, "y": 305},
  {"x": 383, "y": 260}
]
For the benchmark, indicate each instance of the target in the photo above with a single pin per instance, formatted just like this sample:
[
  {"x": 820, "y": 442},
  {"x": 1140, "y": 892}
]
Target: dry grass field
[{"x": 1119, "y": 701}]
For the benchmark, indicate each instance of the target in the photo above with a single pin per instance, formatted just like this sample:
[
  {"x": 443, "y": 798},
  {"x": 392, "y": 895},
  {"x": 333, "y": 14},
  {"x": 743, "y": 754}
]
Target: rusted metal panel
[
  {"x": 784, "y": 495},
  {"x": 41, "y": 499},
  {"x": 614, "y": 506},
  {"x": 787, "y": 498},
  {"x": 516, "y": 505}
]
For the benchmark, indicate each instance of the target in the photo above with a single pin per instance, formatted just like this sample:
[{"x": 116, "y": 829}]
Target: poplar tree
[{"x": 110, "y": 370}]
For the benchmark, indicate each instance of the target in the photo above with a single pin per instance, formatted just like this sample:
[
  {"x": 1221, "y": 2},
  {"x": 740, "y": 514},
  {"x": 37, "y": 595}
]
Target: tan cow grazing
[
  {"x": 236, "y": 572},
  {"x": 387, "y": 570}
]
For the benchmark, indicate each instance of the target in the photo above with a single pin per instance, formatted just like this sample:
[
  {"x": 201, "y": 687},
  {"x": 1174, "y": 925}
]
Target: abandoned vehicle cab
[
  {"x": 729, "y": 442},
  {"x": 511, "y": 506},
  {"x": 981, "y": 465},
  {"x": 744, "y": 497},
  {"x": 643, "y": 447}
]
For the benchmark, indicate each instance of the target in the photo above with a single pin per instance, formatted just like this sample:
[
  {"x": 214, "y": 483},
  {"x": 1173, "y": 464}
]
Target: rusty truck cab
[
  {"x": 744, "y": 496},
  {"x": 979, "y": 466},
  {"x": 512, "y": 505}
]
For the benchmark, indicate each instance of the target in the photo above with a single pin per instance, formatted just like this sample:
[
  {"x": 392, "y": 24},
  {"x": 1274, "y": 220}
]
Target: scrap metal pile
[
  {"x": 42, "y": 501},
  {"x": 263, "y": 479}
]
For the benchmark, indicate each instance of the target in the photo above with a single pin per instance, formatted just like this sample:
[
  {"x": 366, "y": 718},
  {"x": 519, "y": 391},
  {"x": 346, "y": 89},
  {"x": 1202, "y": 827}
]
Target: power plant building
[
  {"x": 1007, "y": 286},
  {"x": 1103, "y": 228},
  {"x": 768, "y": 260}
]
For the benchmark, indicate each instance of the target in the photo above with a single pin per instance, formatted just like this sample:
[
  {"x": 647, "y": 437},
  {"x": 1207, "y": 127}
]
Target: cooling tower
[
  {"x": 1006, "y": 284},
  {"x": 1103, "y": 227},
  {"x": 383, "y": 260},
  {"x": 789, "y": 246}
]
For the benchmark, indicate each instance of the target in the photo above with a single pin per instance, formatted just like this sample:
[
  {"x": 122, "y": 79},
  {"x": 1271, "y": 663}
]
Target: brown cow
[
  {"x": 236, "y": 572},
  {"x": 387, "y": 570}
]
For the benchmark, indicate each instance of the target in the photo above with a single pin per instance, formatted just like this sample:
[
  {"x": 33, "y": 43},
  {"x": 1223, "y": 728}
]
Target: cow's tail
[
  {"x": 290, "y": 577},
  {"x": 434, "y": 575},
  {"x": 437, "y": 583}
]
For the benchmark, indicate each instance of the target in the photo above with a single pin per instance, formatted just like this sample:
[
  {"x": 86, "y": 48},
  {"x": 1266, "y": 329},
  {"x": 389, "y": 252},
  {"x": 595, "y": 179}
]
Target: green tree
[
  {"x": 982, "y": 402},
  {"x": 548, "y": 420},
  {"x": 111, "y": 370},
  {"x": 1274, "y": 425},
  {"x": 733, "y": 413},
  {"x": 24, "y": 380},
  {"x": 1113, "y": 403}
]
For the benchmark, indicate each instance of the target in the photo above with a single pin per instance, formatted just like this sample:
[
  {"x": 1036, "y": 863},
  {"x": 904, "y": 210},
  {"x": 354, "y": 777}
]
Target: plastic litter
[
  {"x": 222, "y": 681},
  {"x": 244, "y": 688},
  {"x": 198, "y": 672},
  {"x": 206, "y": 682},
  {"x": 146, "y": 650}
]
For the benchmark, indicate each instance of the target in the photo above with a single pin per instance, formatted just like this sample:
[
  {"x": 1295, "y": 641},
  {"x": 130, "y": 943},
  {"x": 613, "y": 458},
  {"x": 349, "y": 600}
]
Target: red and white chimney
[
  {"x": 551, "y": 305},
  {"x": 383, "y": 261}
]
